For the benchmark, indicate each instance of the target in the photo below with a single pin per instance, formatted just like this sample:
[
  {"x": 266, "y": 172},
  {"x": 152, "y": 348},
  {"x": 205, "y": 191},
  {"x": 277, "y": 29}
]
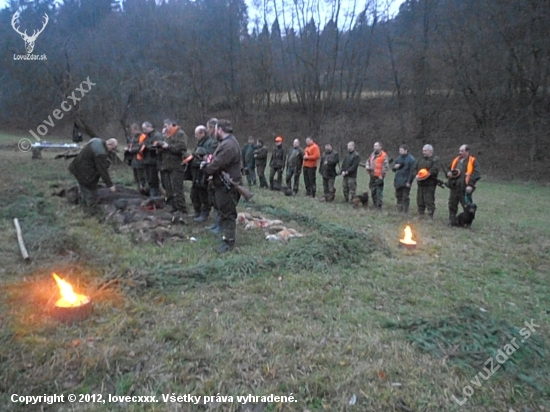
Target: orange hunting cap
[
  {"x": 423, "y": 174},
  {"x": 279, "y": 139}
]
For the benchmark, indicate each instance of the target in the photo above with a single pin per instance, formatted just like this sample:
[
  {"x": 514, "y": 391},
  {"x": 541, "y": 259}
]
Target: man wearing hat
[
  {"x": 226, "y": 158},
  {"x": 426, "y": 170},
  {"x": 277, "y": 164},
  {"x": 404, "y": 175},
  {"x": 462, "y": 179}
]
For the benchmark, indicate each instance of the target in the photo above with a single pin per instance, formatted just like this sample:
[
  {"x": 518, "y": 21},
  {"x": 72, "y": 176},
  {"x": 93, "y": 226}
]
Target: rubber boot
[{"x": 202, "y": 218}]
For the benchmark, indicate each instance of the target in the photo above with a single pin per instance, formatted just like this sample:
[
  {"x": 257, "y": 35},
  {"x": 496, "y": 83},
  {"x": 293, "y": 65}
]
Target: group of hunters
[{"x": 162, "y": 158}]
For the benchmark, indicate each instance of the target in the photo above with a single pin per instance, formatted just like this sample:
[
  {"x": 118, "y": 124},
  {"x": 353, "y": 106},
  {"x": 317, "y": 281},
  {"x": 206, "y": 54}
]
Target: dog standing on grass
[
  {"x": 465, "y": 218},
  {"x": 360, "y": 200}
]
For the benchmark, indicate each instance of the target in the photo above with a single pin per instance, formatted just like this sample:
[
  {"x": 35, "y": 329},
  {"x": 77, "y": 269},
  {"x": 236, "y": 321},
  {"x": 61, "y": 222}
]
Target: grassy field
[{"x": 342, "y": 319}]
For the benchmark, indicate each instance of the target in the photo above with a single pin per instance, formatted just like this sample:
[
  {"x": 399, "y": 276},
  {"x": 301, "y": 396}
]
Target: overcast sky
[{"x": 256, "y": 15}]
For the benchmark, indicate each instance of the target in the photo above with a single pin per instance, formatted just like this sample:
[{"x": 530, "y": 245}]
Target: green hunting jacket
[
  {"x": 171, "y": 157},
  {"x": 91, "y": 164},
  {"x": 433, "y": 164},
  {"x": 350, "y": 164}
]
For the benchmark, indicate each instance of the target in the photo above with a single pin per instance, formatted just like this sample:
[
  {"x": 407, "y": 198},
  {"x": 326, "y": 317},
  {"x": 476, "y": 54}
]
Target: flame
[
  {"x": 68, "y": 297},
  {"x": 408, "y": 240}
]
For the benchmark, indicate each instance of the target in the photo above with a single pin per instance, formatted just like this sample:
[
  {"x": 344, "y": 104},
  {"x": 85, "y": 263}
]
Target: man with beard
[{"x": 226, "y": 158}]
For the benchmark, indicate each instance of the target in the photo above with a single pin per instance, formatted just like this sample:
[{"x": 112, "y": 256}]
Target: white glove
[{"x": 203, "y": 164}]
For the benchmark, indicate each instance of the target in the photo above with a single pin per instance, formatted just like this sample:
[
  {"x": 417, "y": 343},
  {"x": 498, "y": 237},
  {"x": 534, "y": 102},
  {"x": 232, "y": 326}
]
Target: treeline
[{"x": 484, "y": 62}]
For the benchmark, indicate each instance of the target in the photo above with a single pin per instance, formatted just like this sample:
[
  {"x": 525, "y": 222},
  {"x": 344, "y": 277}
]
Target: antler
[
  {"x": 35, "y": 33},
  {"x": 14, "y": 22}
]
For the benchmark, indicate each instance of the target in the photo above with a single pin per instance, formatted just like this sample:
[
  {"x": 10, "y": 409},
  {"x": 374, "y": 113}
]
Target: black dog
[
  {"x": 363, "y": 199},
  {"x": 466, "y": 218}
]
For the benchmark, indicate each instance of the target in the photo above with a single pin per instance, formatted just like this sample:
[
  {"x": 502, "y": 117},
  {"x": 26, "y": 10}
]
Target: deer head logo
[{"x": 29, "y": 40}]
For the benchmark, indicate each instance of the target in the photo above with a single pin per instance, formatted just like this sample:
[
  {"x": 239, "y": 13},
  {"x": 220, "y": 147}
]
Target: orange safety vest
[
  {"x": 469, "y": 167},
  {"x": 142, "y": 138},
  {"x": 379, "y": 163}
]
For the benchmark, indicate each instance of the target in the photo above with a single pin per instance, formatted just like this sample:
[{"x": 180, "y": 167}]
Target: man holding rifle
[{"x": 227, "y": 158}]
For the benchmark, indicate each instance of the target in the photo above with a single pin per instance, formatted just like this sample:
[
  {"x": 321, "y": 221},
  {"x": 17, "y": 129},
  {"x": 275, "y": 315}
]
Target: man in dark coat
[
  {"x": 404, "y": 175},
  {"x": 206, "y": 145},
  {"x": 260, "y": 157},
  {"x": 277, "y": 164},
  {"x": 294, "y": 166},
  {"x": 91, "y": 164},
  {"x": 149, "y": 152},
  {"x": 349, "y": 172},
  {"x": 227, "y": 158},
  {"x": 327, "y": 169},
  {"x": 249, "y": 163},
  {"x": 170, "y": 153},
  {"x": 425, "y": 196},
  {"x": 134, "y": 158}
]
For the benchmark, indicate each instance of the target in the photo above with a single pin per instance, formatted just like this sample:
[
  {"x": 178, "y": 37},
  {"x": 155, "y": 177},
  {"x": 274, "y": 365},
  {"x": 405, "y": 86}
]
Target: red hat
[{"x": 279, "y": 139}]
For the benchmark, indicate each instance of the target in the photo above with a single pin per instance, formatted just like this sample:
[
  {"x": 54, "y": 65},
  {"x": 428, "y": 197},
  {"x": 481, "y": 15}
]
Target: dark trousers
[
  {"x": 328, "y": 188},
  {"x": 309, "y": 180},
  {"x": 226, "y": 203},
  {"x": 425, "y": 199},
  {"x": 251, "y": 176},
  {"x": 172, "y": 181},
  {"x": 275, "y": 183},
  {"x": 349, "y": 187},
  {"x": 261, "y": 175},
  {"x": 152, "y": 176},
  {"x": 200, "y": 199},
  {"x": 402, "y": 194},
  {"x": 293, "y": 172},
  {"x": 140, "y": 178},
  {"x": 376, "y": 186},
  {"x": 456, "y": 197},
  {"x": 89, "y": 199}
]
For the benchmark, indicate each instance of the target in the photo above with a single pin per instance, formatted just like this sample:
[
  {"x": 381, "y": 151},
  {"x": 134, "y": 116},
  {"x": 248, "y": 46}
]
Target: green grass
[{"x": 308, "y": 318}]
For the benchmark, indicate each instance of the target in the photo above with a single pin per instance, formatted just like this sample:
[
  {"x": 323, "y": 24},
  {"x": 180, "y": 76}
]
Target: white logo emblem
[{"x": 29, "y": 40}]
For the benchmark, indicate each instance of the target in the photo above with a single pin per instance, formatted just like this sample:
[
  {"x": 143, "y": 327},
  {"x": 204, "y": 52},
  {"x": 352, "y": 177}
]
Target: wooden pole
[{"x": 22, "y": 247}]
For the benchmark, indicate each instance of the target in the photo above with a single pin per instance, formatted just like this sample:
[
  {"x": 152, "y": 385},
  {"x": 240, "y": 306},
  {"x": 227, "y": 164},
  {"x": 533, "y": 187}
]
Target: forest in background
[{"x": 439, "y": 70}]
